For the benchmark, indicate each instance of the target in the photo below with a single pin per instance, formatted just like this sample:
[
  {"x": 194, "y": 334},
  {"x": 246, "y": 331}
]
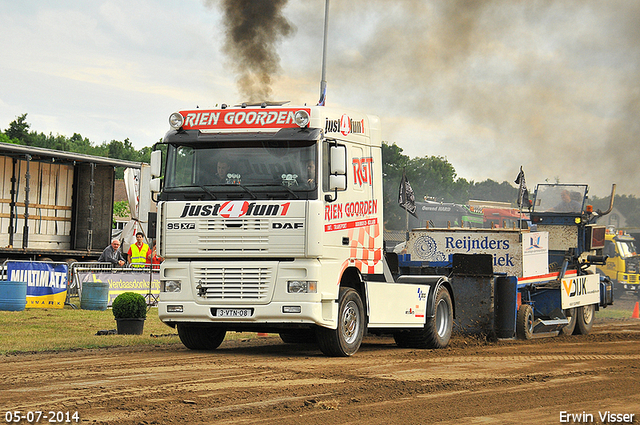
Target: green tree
[
  {"x": 19, "y": 130},
  {"x": 490, "y": 190},
  {"x": 628, "y": 205},
  {"x": 393, "y": 162}
]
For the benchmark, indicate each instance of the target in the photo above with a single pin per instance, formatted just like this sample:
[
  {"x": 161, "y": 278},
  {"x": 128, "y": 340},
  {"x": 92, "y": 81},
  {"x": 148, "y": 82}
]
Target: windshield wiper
[
  {"x": 290, "y": 191},
  {"x": 253, "y": 196},
  {"x": 210, "y": 193},
  {"x": 279, "y": 186}
]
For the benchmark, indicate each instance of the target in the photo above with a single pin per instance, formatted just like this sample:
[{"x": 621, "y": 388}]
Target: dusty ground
[{"x": 266, "y": 381}]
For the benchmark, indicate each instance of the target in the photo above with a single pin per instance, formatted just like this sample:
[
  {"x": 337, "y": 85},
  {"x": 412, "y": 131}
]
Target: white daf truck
[{"x": 270, "y": 220}]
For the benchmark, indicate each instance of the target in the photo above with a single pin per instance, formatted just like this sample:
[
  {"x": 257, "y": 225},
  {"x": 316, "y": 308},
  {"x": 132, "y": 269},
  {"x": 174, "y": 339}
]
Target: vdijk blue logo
[{"x": 534, "y": 243}]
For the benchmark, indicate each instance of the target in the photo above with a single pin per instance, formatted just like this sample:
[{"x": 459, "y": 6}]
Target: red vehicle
[{"x": 504, "y": 218}]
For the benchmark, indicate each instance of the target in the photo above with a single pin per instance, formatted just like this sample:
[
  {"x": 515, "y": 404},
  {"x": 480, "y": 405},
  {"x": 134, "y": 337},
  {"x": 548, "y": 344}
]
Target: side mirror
[
  {"x": 338, "y": 158},
  {"x": 156, "y": 164},
  {"x": 154, "y": 185},
  {"x": 337, "y": 171},
  {"x": 337, "y": 182}
]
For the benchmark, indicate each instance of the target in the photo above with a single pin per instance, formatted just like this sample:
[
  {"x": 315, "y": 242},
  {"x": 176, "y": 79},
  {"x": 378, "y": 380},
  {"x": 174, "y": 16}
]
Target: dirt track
[{"x": 266, "y": 381}]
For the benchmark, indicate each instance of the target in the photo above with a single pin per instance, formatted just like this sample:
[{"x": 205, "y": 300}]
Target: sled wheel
[
  {"x": 200, "y": 337},
  {"x": 584, "y": 319},
  {"x": 524, "y": 322},
  {"x": 572, "y": 315},
  {"x": 345, "y": 340}
]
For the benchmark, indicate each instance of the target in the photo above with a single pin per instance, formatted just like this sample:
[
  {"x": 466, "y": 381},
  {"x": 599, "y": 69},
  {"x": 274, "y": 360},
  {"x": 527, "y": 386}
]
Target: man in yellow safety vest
[{"x": 137, "y": 254}]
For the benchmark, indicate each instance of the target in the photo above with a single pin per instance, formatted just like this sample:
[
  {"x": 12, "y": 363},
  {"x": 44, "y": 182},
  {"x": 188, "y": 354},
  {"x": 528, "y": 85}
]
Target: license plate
[{"x": 233, "y": 312}]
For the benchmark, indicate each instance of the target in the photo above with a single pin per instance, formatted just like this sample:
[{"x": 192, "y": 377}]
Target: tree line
[
  {"x": 19, "y": 133},
  {"x": 430, "y": 176}
]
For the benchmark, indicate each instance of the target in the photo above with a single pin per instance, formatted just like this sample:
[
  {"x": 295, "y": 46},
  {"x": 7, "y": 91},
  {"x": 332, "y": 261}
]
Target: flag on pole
[
  {"x": 406, "y": 198},
  {"x": 523, "y": 193}
]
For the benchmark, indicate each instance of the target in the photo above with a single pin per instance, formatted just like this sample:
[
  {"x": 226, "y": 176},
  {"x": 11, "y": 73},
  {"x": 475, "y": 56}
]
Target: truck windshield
[
  {"x": 242, "y": 166},
  {"x": 561, "y": 198},
  {"x": 626, "y": 248}
]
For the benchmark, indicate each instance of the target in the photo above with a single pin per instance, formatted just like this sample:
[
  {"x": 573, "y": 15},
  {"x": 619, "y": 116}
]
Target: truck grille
[
  {"x": 241, "y": 284},
  {"x": 632, "y": 264},
  {"x": 233, "y": 236}
]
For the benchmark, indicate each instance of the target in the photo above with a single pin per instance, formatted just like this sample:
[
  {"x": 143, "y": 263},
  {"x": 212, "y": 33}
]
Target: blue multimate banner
[{"x": 46, "y": 283}]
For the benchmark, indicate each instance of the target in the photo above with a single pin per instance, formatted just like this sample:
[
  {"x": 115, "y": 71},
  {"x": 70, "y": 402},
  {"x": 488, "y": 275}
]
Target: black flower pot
[{"x": 130, "y": 326}]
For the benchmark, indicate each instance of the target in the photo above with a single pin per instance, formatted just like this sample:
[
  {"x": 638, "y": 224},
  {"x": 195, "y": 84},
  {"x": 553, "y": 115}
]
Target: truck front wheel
[
  {"x": 584, "y": 319},
  {"x": 200, "y": 337},
  {"x": 345, "y": 340},
  {"x": 572, "y": 315},
  {"x": 524, "y": 322}
]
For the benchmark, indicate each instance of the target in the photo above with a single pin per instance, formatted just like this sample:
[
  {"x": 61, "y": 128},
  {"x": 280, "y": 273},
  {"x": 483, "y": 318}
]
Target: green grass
[
  {"x": 40, "y": 329},
  {"x": 612, "y": 313}
]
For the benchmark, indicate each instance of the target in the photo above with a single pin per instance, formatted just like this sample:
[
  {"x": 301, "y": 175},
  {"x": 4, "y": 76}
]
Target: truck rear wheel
[
  {"x": 584, "y": 319},
  {"x": 200, "y": 337},
  {"x": 345, "y": 340},
  {"x": 573, "y": 318},
  {"x": 437, "y": 330},
  {"x": 524, "y": 322}
]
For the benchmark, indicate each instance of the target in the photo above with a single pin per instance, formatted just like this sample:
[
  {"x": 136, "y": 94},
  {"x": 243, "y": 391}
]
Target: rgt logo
[{"x": 362, "y": 171}]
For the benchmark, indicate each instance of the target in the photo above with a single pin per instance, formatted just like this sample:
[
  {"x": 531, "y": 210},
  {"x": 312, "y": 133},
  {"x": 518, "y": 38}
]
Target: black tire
[
  {"x": 572, "y": 315},
  {"x": 524, "y": 322},
  {"x": 437, "y": 330},
  {"x": 345, "y": 340},
  {"x": 298, "y": 336},
  {"x": 200, "y": 337},
  {"x": 584, "y": 319},
  {"x": 403, "y": 339}
]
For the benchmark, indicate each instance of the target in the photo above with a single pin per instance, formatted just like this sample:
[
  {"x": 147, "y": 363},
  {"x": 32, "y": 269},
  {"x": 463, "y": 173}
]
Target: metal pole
[
  {"x": 92, "y": 183},
  {"x": 323, "y": 81},
  {"x": 25, "y": 231},
  {"x": 12, "y": 204}
]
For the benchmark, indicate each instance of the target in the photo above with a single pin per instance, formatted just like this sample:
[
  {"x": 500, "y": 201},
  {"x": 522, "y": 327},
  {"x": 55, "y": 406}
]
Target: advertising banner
[
  {"x": 126, "y": 281},
  {"x": 535, "y": 254},
  {"x": 46, "y": 283},
  {"x": 580, "y": 290},
  {"x": 438, "y": 245}
]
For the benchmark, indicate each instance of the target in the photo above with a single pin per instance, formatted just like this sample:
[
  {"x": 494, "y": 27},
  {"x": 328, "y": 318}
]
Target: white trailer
[{"x": 55, "y": 205}]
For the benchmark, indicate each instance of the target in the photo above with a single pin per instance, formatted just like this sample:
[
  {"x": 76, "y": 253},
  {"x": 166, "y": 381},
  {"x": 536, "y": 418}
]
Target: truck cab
[
  {"x": 623, "y": 264},
  {"x": 270, "y": 220}
]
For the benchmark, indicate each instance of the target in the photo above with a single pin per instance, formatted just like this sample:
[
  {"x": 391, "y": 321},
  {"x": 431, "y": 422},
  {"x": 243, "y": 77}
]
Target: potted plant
[{"x": 130, "y": 311}]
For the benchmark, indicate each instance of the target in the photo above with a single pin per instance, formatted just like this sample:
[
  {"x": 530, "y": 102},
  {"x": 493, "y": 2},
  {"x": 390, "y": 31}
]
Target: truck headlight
[
  {"x": 302, "y": 286},
  {"x": 176, "y": 120},
  {"x": 171, "y": 285},
  {"x": 302, "y": 118}
]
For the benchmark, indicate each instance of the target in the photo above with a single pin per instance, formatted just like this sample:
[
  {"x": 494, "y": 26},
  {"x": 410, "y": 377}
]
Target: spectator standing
[
  {"x": 137, "y": 254},
  {"x": 153, "y": 258}
]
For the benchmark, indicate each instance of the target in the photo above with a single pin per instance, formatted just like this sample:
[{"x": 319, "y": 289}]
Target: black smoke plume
[{"x": 252, "y": 31}]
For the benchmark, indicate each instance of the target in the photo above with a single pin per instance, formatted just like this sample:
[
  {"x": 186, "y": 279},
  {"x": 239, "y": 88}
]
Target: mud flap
[{"x": 473, "y": 282}]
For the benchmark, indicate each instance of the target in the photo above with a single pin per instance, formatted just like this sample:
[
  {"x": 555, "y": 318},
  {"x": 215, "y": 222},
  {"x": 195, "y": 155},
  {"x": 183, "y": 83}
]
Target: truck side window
[{"x": 609, "y": 249}]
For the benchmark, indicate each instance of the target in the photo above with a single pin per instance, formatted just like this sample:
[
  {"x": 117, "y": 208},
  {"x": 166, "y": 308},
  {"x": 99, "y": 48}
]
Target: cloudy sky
[{"x": 490, "y": 85}]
